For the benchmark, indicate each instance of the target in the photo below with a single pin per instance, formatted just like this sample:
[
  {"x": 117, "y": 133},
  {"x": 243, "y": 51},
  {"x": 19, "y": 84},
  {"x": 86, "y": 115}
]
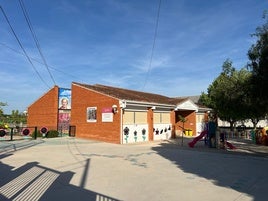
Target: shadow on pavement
[
  {"x": 35, "y": 182},
  {"x": 241, "y": 172},
  {"x": 248, "y": 147},
  {"x": 11, "y": 146}
]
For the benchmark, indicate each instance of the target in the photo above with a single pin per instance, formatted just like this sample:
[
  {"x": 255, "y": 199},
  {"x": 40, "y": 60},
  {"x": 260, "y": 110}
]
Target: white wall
[
  {"x": 164, "y": 131},
  {"x": 247, "y": 123},
  {"x": 131, "y": 138}
]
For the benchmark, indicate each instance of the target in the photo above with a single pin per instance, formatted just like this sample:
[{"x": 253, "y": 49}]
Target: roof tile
[{"x": 132, "y": 95}]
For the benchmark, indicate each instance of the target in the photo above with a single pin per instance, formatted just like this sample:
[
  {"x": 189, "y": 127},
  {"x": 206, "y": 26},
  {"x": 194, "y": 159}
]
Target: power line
[
  {"x": 35, "y": 38},
  {"x": 38, "y": 61},
  {"x": 153, "y": 47},
  {"x": 21, "y": 46}
]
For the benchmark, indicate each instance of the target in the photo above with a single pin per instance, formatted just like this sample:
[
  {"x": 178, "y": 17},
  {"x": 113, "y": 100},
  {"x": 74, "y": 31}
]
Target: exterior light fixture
[{"x": 115, "y": 110}]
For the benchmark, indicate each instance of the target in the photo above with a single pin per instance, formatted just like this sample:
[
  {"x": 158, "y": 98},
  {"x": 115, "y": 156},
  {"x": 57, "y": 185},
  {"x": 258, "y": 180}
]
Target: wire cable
[
  {"x": 21, "y": 46},
  {"x": 25, "y": 13},
  {"x": 38, "y": 61},
  {"x": 153, "y": 47}
]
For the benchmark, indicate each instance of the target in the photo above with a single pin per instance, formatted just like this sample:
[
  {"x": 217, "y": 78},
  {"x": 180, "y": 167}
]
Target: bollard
[
  {"x": 11, "y": 134},
  {"x": 35, "y": 133}
]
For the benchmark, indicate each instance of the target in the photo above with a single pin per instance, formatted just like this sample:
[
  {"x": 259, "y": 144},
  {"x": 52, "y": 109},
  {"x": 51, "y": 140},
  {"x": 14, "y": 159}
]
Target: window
[
  {"x": 161, "y": 117},
  {"x": 134, "y": 117}
]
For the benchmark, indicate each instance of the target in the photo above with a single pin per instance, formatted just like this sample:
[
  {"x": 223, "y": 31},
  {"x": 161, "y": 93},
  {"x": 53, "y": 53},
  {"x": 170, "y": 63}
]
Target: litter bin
[{"x": 190, "y": 132}]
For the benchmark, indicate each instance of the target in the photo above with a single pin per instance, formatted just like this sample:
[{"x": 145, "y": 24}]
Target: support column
[
  {"x": 150, "y": 121},
  {"x": 173, "y": 122}
]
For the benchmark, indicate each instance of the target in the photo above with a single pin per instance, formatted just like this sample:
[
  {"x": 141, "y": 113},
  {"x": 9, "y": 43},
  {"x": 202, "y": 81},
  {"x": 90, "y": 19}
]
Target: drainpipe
[{"x": 121, "y": 125}]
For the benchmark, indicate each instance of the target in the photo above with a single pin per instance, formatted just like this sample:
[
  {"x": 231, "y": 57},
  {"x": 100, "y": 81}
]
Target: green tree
[
  {"x": 2, "y": 116},
  {"x": 1, "y": 111},
  {"x": 183, "y": 120},
  {"x": 227, "y": 95},
  {"x": 17, "y": 117},
  {"x": 239, "y": 95},
  {"x": 258, "y": 56}
]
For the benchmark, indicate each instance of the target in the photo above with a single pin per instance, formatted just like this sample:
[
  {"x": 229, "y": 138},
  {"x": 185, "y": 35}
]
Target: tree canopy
[
  {"x": 1, "y": 109},
  {"x": 227, "y": 94},
  {"x": 258, "y": 56},
  {"x": 15, "y": 117},
  {"x": 242, "y": 94}
]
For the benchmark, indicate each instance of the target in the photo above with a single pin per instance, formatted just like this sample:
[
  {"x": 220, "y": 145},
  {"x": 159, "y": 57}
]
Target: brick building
[{"x": 113, "y": 114}]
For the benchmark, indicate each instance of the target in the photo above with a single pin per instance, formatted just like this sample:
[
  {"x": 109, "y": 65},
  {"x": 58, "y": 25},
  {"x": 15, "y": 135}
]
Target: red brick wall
[
  {"x": 103, "y": 131},
  {"x": 189, "y": 124},
  {"x": 44, "y": 111}
]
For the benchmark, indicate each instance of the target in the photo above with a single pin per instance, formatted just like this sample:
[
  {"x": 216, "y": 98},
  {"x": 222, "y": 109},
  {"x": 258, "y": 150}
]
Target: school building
[{"x": 114, "y": 114}]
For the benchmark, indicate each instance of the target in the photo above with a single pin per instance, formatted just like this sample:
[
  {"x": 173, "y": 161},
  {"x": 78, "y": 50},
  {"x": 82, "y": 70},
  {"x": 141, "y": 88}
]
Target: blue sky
[{"x": 110, "y": 42}]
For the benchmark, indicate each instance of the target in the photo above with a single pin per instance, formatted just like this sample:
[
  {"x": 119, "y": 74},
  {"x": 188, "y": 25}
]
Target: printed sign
[{"x": 107, "y": 114}]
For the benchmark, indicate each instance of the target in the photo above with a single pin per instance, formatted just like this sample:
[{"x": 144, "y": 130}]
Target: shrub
[
  {"x": 52, "y": 134},
  {"x": 38, "y": 134}
]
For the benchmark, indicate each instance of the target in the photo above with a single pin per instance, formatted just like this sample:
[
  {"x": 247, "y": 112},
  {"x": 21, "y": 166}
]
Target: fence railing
[{"x": 16, "y": 133}]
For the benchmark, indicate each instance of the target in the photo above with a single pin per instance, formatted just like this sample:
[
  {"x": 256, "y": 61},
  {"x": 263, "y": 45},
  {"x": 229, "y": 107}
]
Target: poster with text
[{"x": 107, "y": 114}]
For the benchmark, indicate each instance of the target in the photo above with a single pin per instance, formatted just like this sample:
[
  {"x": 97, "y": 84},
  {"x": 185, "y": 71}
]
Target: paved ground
[{"x": 75, "y": 169}]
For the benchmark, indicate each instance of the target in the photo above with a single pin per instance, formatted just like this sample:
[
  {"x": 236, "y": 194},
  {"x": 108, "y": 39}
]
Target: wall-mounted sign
[
  {"x": 92, "y": 114},
  {"x": 107, "y": 114}
]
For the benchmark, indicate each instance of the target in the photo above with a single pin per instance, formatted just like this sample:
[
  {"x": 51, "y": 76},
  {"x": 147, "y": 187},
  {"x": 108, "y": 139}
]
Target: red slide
[
  {"x": 230, "y": 145},
  {"x": 203, "y": 133}
]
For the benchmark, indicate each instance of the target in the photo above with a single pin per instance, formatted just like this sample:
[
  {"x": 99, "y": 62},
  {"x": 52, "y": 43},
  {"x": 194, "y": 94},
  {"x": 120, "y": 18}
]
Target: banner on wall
[
  {"x": 64, "y": 99},
  {"x": 64, "y": 121}
]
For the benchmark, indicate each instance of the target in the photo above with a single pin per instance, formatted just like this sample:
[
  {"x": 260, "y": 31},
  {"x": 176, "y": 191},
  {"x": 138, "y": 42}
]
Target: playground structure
[
  {"x": 214, "y": 137},
  {"x": 210, "y": 138},
  {"x": 222, "y": 144},
  {"x": 199, "y": 137}
]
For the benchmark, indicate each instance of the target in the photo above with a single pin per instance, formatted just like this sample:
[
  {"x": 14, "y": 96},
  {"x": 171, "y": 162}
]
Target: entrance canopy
[{"x": 186, "y": 105}]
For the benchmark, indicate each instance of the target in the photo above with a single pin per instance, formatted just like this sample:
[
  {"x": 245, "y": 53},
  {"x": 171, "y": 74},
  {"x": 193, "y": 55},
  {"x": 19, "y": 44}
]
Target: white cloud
[{"x": 144, "y": 65}]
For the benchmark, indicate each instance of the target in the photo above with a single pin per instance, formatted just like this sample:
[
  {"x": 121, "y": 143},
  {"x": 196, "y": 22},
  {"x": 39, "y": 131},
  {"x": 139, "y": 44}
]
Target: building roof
[
  {"x": 132, "y": 95},
  {"x": 195, "y": 99}
]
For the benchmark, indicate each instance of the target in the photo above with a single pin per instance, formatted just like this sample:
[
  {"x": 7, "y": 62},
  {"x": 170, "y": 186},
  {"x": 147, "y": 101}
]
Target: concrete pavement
[{"x": 69, "y": 168}]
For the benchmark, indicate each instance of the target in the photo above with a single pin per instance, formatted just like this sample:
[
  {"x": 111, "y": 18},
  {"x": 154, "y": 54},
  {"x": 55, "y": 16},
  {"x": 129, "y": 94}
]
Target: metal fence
[{"x": 18, "y": 133}]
